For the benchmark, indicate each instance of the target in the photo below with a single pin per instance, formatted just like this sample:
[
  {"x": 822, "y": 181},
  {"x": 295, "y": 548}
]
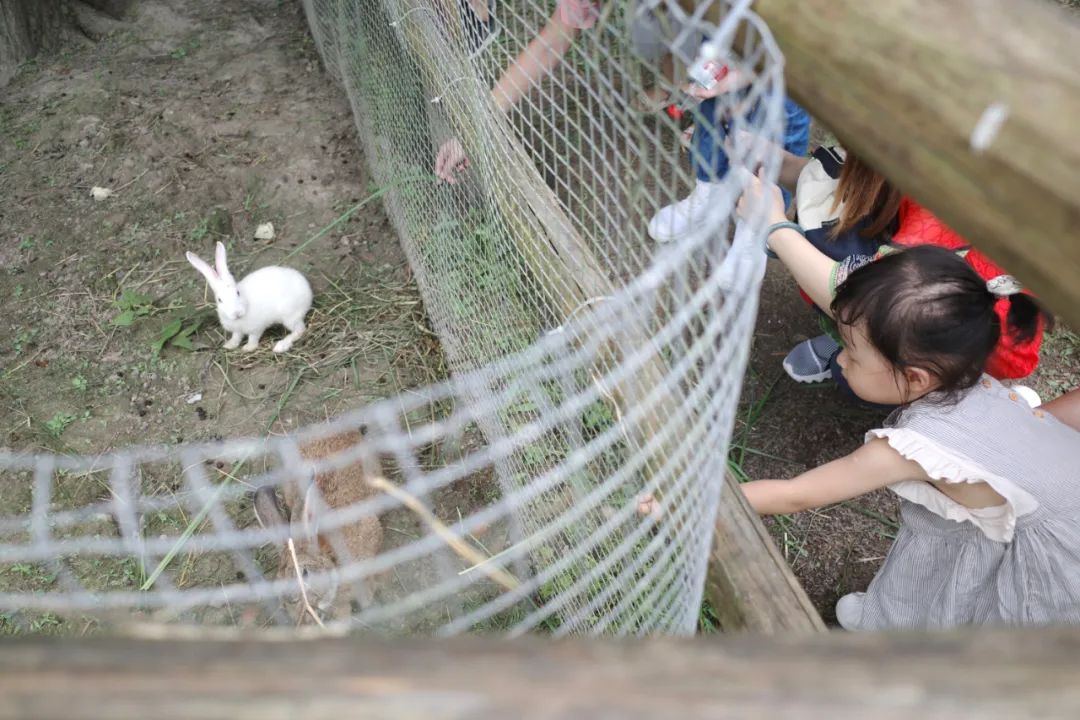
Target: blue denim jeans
[{"x": 707, "y": 153}]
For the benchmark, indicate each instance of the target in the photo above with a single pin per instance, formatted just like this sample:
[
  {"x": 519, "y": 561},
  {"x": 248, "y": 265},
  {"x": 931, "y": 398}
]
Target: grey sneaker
[
  {"x": 849, "y": 610},
  {"x": 808, "y": 362}
]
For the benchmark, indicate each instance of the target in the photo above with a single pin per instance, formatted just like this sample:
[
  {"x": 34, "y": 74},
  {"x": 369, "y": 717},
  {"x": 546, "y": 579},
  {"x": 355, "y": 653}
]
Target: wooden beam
[
  {"x": 978, "y": 673},
  {"x": 905, "y": 84},
  {"x": 749, "y": 584}
]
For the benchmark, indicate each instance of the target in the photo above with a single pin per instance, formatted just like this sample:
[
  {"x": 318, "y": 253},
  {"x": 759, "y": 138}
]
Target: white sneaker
[
  {"x": 675, "y": 221},
  {"x": 743, "y": 264},
  {"x": 849, "y": 610},
  {"x": 1030, "y": 396}
]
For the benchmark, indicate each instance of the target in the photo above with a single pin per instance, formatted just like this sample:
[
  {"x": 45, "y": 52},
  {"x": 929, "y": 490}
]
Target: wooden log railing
[
  {"x": 750, "y": 585},
  {"x": 983, "y": 674}
]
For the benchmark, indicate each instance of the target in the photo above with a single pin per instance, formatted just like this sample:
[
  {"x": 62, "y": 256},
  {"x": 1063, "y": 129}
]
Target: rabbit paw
[
  {"x": 251, "y": 345},
  {"x": 233, "y": 343},
  {"x": 282, "y": 345}
]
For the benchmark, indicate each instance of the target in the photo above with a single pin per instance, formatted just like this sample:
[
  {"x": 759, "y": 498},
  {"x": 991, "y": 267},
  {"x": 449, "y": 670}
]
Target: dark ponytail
[
  {"x": 1025, "y": 316},
  {"x": 926, "y": 307}
]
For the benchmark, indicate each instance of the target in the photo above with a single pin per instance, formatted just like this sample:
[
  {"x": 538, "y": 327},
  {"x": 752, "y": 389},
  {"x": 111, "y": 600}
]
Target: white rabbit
[{"x": 268, "y": 296}]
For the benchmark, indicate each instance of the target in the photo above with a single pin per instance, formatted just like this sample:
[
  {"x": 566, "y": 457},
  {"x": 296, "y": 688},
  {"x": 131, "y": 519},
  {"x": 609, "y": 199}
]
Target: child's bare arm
[
  {"x": 872, "y": 466},
  {"x": 1066, "y": 408}
]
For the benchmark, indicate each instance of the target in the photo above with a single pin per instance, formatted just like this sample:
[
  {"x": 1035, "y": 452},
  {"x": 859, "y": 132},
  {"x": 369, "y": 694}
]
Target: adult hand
[
  {"x": 760, "y": 192},
  {"x": 451, "y": 161},
  {"x": 734, "y": 80},
  {"x": 752, "y": 146}
]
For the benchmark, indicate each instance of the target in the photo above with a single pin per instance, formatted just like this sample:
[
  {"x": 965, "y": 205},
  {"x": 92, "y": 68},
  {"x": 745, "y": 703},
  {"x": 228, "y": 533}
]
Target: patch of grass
[
  {"x": 708, "y": 622},
  {"x": 31, "y": 574},
  {"x": 23, "y": 340},
  {"x": 18, "y": 623},
  {"x": 201, "y": 230},
  {"x": 186, "y": 49},
  {"x": 58, "y": 423},
  {"x": 1059, "y": 366}
]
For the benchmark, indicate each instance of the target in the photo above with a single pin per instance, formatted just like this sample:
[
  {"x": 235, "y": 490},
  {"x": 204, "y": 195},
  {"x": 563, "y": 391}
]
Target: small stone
[
  {"x": 194, "y": 398},
  {"x": 265, "y": 231},
  {"x": 100, "y": 193}
]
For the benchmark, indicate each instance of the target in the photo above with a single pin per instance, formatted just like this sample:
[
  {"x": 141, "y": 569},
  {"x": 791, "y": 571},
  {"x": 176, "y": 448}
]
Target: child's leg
[
  {"x": 710, "y": 164},
  {"x": 650, "y": 43},
  {"x": 796, "y": 129},
  {"x": 707, "y": 155},
  {"x": 476, "y": 17},
  {"x": 655, "y": 94}
]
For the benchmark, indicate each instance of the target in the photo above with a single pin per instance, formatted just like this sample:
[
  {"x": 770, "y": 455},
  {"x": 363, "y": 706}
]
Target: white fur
[{"x": 271, "y": 295}]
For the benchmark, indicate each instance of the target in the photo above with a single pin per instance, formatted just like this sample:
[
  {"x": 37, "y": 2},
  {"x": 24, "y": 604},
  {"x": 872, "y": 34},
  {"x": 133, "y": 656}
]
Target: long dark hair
[
  {"x": 867, "y": 196},
  {"x": 926, "y": 307}
]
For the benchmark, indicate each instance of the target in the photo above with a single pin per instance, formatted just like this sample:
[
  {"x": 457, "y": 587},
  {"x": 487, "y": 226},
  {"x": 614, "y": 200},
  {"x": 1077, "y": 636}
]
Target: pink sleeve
[{"x": 580, "y": 14}]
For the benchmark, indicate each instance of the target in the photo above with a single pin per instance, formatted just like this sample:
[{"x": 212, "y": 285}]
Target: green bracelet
[{"x": 780, "y": 226}]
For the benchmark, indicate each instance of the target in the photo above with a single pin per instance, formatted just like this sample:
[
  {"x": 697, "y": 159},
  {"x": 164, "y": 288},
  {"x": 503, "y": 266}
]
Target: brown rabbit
[{"x": 314, "y": 552}]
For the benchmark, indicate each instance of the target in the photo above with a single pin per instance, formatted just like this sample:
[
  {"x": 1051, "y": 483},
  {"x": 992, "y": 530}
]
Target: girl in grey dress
[{"x": 989, "y": 486}]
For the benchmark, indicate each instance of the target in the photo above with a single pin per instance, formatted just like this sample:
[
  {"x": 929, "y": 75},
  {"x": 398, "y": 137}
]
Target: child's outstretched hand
[
  {"x": 451, "y": 161},
  {"x": 760, "y": 191}
]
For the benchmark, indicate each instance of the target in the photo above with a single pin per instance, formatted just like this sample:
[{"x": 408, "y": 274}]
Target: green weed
[
  {"x": 130, "y": 307},
  {"x": 201, "y": 230},
  {"x": 58, "y": 423}
]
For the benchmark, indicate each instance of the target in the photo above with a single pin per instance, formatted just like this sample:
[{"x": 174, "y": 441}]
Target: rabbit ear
[
  {"x": 267, "y": 509},
  {"x": 199, "y": 264},
  {"x": 219, "y": 261},
  {"x": 309, "y": 518}
]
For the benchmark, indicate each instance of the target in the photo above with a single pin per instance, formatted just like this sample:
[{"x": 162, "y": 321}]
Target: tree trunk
[
  {"x": 115, "y": 8},
  {"x": 26, "y": 26}
]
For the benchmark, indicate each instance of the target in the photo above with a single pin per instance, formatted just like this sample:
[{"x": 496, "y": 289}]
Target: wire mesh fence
[{"x": 596, "y": 371}]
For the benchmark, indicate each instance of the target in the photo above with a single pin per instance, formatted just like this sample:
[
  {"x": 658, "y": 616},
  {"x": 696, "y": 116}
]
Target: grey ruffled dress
[{"x": 1014, "y": 564}]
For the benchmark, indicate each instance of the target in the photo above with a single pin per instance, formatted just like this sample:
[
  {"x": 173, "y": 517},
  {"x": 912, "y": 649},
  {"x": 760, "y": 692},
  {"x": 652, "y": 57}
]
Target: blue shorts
[{"x": 707, "y": 153}]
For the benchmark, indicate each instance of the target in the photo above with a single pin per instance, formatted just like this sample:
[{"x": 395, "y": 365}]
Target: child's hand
[
  {"x": 451, "y": 161},
  {"x": 759, "y": 191}
]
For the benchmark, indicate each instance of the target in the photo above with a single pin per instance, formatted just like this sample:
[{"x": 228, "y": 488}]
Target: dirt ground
[{"x": 207, "y": 119}]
